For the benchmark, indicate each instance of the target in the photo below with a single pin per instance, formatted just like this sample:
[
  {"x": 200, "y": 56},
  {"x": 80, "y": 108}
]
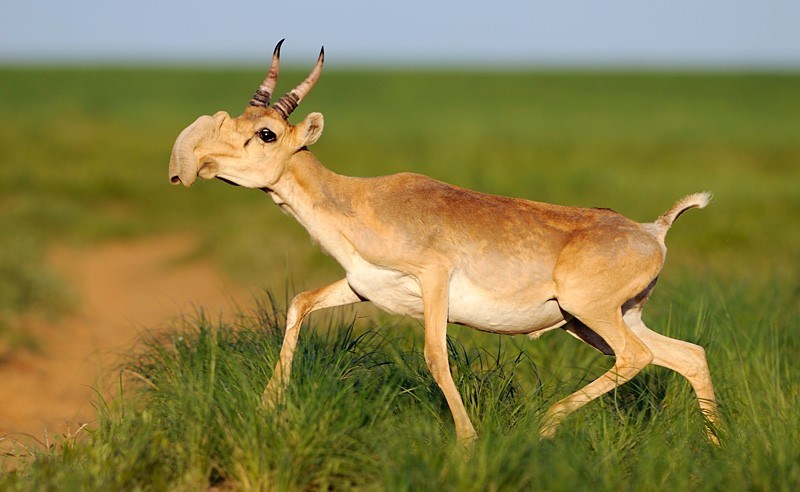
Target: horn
[
  {"x": 264, "y": 93},
  {"x": 291, "y": 99}
]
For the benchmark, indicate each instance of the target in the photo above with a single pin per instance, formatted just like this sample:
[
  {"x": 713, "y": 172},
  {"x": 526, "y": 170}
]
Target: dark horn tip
[{"x": 277, "y": 51}]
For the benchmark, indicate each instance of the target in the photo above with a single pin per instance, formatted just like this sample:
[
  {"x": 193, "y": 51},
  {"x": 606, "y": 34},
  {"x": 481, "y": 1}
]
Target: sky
[{"x": 683, "y": 33}]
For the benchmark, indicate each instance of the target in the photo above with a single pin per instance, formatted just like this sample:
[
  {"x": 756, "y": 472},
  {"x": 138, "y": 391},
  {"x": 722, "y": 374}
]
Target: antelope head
[{"x": 253, "y": 149}]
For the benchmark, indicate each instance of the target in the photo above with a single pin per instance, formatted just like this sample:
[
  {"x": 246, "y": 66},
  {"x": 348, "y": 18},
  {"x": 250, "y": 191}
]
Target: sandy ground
[{"x": 124, "y": 289}]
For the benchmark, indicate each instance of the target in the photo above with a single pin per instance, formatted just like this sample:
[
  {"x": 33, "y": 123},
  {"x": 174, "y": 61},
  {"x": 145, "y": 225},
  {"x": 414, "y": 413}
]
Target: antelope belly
[
  {"x": 390, "y": 290},
  {"x": 522, "y": 311}
]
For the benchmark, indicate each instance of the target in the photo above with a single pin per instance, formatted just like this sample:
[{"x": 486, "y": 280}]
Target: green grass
[
  {"x": 85, "y": 153},
  {"x": 84, "y": 157},
  {"x": 363, "y": 412}
]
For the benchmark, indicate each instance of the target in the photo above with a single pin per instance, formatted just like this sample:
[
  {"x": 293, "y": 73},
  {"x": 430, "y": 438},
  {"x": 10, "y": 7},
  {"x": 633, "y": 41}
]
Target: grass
[
  {"x": 87, "y": 161},
  {"x": 363, "y": 412},
  {"x": 84, "y": 159}
]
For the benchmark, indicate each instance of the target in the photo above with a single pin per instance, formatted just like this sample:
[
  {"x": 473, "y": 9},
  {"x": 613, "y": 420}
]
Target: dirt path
[{"x": 124, "y": 288}]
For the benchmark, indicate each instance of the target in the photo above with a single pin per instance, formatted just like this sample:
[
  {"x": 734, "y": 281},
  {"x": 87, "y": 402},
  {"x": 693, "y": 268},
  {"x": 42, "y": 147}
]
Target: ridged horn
[
  {"x": 289, "y": 101},
  {"x": 263, "y": 95}
]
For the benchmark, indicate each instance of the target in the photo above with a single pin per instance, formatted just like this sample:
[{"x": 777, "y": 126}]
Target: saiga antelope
[{"x": 419, "y": 247}]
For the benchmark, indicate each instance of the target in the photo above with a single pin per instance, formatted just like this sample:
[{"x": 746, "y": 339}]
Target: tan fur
[{"x": 437, "y": 252}]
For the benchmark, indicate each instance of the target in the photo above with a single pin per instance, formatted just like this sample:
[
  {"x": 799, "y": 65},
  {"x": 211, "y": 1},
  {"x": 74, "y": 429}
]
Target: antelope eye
[{"x": 267, "y": 135}]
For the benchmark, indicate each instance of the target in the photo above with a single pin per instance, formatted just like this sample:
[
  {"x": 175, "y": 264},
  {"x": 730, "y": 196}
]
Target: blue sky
[{"x": 694, "y": 33}]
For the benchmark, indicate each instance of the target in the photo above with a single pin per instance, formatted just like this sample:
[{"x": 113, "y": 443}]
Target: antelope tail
[{"x": 696, "y": 200}]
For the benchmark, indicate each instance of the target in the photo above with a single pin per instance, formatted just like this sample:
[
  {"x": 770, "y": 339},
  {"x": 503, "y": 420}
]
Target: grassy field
[{"x": 84, "y": 155}]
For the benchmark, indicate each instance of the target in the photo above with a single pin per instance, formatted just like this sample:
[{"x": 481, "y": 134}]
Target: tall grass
[{"x": 363, "y": 412}]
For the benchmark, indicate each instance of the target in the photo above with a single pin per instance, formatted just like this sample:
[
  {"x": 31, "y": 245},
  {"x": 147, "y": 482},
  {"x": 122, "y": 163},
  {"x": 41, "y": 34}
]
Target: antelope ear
[{"x": 309, "y": 130}]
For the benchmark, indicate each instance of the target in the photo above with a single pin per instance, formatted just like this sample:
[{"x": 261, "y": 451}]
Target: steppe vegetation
[{"x": 84, "y": 157}]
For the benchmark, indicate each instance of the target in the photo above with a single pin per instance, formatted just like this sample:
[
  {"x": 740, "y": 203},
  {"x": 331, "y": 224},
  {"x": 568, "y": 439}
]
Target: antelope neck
[{"x": 310, "y": 191}]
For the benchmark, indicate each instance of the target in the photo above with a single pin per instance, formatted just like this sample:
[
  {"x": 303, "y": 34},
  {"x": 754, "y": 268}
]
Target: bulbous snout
[{"x": 184, "y": 163}]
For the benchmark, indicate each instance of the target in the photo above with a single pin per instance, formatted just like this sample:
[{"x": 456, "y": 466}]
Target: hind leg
[
  {"x": 632, "y": 355},
  {"x": 687, "y": 359}
]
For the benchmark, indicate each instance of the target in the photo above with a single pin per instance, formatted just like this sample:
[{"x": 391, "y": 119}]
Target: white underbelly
[
  {"x": 490, "y": 309},
  {"x": 388, "y": 289},
  {"x": 501, "y": 312}
]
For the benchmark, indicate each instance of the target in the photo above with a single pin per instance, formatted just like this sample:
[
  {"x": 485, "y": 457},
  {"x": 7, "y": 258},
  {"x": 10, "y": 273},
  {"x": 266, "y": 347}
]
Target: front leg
[
  {"x": 435, "y": 291},
  {"x": 336, "y": 294}
]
